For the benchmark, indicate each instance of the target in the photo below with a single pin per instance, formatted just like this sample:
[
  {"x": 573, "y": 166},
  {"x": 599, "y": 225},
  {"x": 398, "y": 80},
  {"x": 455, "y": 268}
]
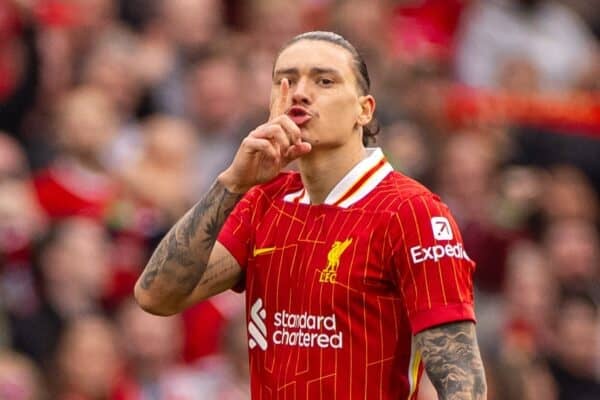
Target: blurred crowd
[{"x": 115, "y": 116}]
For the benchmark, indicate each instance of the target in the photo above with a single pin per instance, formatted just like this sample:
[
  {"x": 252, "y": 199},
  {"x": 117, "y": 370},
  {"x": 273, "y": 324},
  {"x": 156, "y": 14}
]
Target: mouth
[{"x": 299, "y": 115}]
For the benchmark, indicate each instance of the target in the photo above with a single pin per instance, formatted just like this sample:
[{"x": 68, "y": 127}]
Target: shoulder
[
  {"x": 397, "y": 191},
  {"x": 405, "y": 185},
  {"x": 282, "y": 184}
]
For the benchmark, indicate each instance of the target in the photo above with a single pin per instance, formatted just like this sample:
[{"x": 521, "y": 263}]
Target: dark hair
[{"x": 371, "y": 129}]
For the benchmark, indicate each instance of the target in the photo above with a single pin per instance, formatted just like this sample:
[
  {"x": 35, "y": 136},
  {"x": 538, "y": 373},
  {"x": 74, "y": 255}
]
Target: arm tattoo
[
  {"x": 452, "y": 361},
  {"x": 179, "y": 261}
]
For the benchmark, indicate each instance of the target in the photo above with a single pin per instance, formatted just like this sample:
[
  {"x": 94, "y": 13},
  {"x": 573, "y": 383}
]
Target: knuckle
[{"x": 254, "y": 133}]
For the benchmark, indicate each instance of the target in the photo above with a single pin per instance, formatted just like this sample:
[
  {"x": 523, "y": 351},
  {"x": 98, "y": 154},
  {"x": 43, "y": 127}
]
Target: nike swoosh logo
[{"x": 263, "y": 250}]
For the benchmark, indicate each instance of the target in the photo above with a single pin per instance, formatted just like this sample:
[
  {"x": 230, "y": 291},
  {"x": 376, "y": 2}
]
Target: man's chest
[
  {"x": 318, "y": 281},
  {"x": 314, "y": 253}
]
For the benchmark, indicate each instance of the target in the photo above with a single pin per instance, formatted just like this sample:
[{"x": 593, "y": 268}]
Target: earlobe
[
  {"x": 363, "y": 120},
  {"x": 367, "y": 104}
]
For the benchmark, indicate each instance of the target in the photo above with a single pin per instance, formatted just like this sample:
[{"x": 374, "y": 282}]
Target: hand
[{"x": 267, "y": 149}]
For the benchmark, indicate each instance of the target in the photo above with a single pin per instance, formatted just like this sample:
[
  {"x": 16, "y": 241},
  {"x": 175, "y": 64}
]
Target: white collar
[{"x": 355, "y": 185}]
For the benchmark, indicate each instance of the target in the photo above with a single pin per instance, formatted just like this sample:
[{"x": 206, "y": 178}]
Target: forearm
[
  {"x": 180, "y": 260},
  {"x": 452, "y": 360}
]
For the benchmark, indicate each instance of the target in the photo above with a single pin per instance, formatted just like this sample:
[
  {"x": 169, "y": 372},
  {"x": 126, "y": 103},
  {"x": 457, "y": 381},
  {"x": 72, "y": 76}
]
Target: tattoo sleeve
[
  {"x": 180, "y": 260},
  {"x": 451, "y": 357}
]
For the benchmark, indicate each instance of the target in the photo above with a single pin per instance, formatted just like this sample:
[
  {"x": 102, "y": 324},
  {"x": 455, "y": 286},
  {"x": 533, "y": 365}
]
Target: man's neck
[{"x": 322, "y": 169}]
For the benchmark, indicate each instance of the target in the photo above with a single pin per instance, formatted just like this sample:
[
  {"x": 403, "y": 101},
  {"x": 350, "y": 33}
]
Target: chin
[{"x": 307, "y": 135}]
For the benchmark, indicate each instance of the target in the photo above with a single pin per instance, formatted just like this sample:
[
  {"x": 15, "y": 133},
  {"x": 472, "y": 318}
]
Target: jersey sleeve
[
  {"x": 237, "y": 234},
  {"x": 432, "y": 268}
]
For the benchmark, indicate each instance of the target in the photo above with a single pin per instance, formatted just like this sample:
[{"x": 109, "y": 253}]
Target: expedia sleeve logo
[
  {"x": 437, "y": 252},
  {"x": 442, "y": 230}
]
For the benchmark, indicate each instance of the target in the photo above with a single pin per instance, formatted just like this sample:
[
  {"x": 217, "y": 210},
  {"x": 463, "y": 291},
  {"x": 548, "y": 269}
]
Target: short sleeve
[
  {"x": 432, "y": 268},
  {"x": 237, "y": 234}
]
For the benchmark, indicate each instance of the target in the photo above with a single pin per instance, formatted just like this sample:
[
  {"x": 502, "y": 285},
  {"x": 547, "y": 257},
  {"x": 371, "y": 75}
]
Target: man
[{"x": 355, "y": 275}]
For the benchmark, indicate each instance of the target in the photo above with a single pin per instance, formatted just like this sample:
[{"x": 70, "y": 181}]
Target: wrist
[{"x": 231, "y": 184}]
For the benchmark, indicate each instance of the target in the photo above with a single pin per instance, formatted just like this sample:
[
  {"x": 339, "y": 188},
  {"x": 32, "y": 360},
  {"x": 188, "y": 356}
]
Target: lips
[{"x": 299, "y": 115}]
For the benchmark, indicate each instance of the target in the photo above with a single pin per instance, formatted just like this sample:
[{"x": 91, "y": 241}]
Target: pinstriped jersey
[{"x": 336, "y": 291}]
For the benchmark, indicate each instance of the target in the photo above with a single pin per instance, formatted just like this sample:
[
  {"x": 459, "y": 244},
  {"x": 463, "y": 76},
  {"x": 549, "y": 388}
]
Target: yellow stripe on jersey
[
  {"x": 264, "y": 250},
  {"x": 413, "y": 373}
]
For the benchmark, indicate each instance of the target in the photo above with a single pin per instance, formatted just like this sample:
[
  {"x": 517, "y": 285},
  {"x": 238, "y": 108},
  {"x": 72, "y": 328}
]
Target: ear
[{"x": 367, "y": 108}]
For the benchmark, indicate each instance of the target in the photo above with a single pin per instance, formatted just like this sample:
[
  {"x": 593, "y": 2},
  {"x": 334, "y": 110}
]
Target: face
[
  {"x": 572, "y": 247},
  {"x": 18, "y": 377},
  {"x": 170, "y": 142},
  {"x": 78, "y": 260},
  {"x": 216, "y": 80},
  {"x": 86, "y": 122},
  {"x": 89, "y": 342},
  {"x": 192, "y": 23},
  {"x": 577, "y": 336},
  {"x": 323, "y": 84},
  {"x": 139, "y": 328}
]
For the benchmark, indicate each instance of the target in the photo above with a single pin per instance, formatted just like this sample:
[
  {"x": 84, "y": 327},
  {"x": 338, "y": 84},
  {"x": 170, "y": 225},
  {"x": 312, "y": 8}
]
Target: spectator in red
[{"x": 76, "y": 183}]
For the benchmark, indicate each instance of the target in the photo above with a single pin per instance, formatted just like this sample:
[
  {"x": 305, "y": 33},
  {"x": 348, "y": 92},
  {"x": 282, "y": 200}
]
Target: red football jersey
[{"x": 336, "y": 291}]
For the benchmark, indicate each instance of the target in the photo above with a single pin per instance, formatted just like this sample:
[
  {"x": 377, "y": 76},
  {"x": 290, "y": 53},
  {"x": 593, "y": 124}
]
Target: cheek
[{"x": 344, "y": 110}]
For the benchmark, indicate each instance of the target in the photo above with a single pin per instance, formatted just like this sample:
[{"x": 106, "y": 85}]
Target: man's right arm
[
  {"x": 189, "y": 264},
  {"x": 178, "y": 271}
]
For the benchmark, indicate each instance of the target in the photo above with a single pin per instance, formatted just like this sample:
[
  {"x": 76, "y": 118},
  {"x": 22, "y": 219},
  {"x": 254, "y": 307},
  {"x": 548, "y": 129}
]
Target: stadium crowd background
[{"x": 116, "y": 115}]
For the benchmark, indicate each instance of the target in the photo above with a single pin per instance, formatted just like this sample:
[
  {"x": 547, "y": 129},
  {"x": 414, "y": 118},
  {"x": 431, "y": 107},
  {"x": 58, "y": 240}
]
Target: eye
[{"x": 324, "y": 81}]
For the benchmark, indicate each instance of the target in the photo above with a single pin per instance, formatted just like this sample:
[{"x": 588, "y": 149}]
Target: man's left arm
[{"x": 452, "y": 361}]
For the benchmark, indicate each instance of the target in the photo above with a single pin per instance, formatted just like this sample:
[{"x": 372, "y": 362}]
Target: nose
[{"x": 300, "y": 93}]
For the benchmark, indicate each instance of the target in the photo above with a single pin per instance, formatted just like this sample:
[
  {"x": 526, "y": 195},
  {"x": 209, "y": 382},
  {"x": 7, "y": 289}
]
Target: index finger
[{"x": 281, "y": 103}]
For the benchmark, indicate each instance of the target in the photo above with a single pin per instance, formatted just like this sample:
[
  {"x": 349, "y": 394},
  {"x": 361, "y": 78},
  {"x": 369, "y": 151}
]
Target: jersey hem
[
  {"x": 236, "y": 248},
  {"x": 440, "y": 315}
]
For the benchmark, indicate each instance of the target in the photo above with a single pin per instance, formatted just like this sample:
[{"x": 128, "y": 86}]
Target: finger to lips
[
  {"x": 271, "y": 136},
  {"x": 263, "y": 146},
  {"x": 278, "y": 114},
  {"x": 281, "y": 104},
  {"x": 275, "y": 133},
  {"x": 290, "y": 127},
  {"x": 297, "y": 150}
]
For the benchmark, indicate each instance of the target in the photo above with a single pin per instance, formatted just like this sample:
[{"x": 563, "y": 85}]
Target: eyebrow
[{"x": 313, "y": 71}]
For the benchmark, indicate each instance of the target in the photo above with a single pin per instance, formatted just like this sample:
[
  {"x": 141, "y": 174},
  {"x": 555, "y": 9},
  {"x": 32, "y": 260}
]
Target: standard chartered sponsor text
[{"x": 306, "y": 330}]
